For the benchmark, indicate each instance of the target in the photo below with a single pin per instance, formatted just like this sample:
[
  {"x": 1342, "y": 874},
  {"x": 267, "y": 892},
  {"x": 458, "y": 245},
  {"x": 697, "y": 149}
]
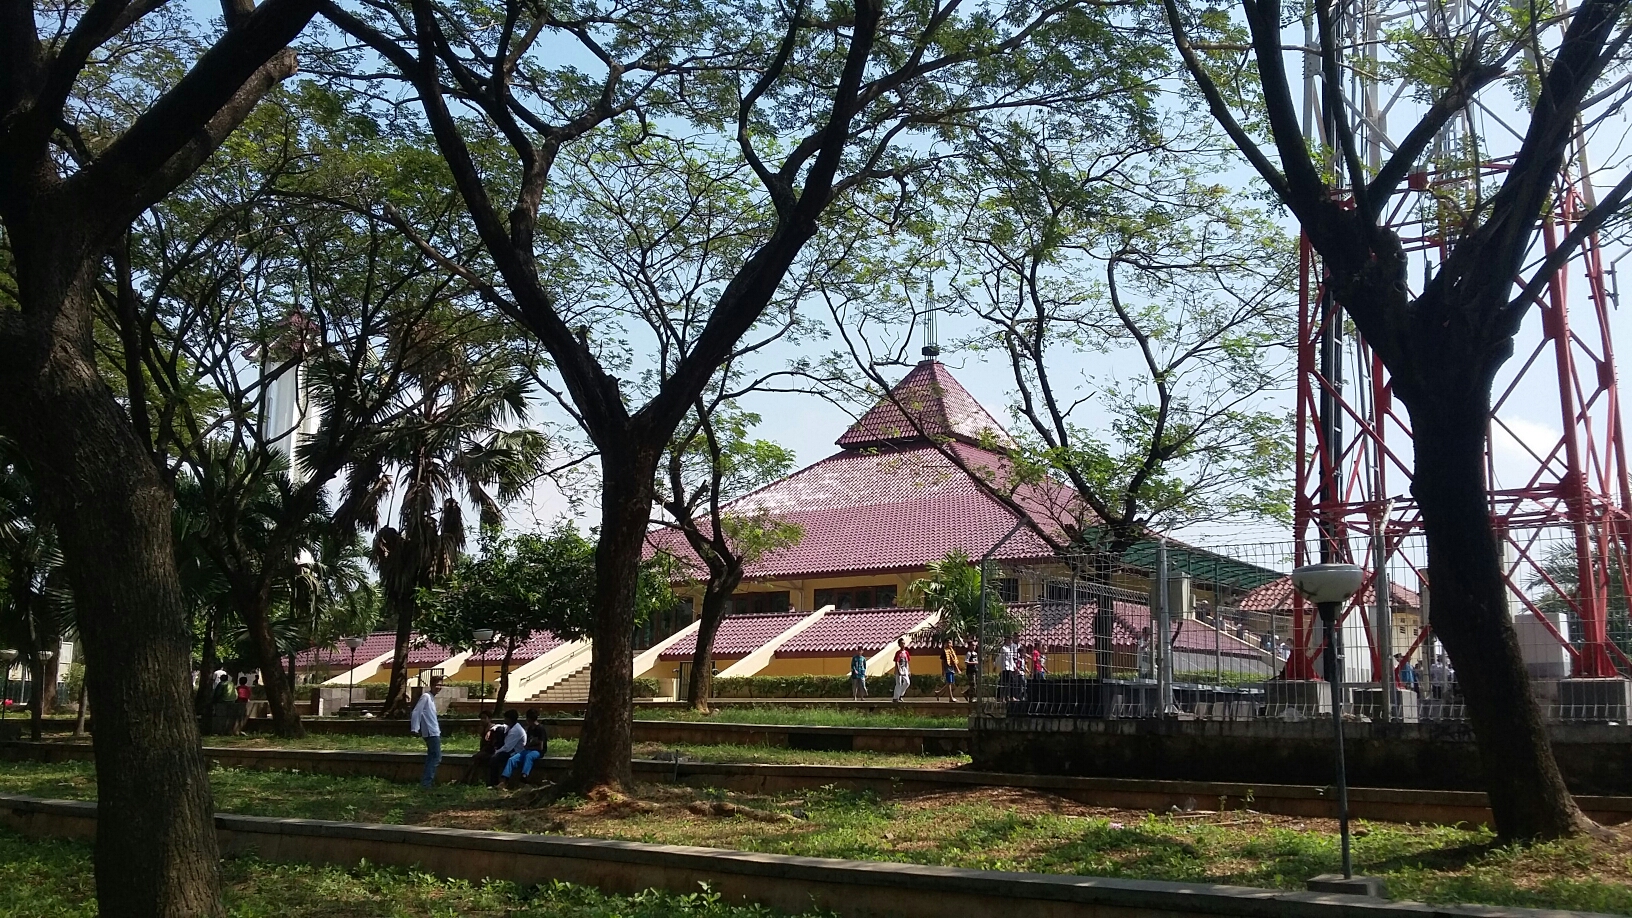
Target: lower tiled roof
[
  {"x": 1049, "y": 624},
  {"x": 428, "y": 654},
  {"x": 1276, "y": 596},
  {"x": 842, "y": 632},
  {"x": 338, "y": 654},
  {"x": 541, "y": 643},
  {"x": 739, "y": 635}
]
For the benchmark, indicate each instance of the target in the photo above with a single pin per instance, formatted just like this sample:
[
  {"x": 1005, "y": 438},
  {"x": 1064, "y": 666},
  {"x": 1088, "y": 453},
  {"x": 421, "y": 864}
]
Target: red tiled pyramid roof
[
  {"x": 842, "y": 632},
  {"x": 739, "y": 635},
  {"x": 941, "y": 406},
  {"x": 895, "y": 502},
  {"x": 1276, "y": 596},
  {"x": 893, "y": 509}
]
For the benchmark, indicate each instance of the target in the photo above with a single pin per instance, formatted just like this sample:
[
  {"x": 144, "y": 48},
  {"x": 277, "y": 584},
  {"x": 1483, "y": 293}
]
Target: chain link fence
[{"x": 1217, "y": 633}]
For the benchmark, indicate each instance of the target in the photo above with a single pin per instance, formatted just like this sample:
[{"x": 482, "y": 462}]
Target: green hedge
[
  {"x": 817, "y": 686},
  {"x": 647, "y": 688}
]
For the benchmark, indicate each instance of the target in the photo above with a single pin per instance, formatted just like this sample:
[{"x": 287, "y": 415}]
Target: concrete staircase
[{"x": 574, "y": 688}]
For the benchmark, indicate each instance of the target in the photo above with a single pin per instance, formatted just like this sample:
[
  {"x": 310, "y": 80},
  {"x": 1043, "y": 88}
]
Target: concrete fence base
[{"x": 855, "y": 889}]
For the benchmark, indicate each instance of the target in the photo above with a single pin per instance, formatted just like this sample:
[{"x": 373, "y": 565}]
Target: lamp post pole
[
  {"x": 484, "y": 636},
  {"x": 1328, "y": 586},
  {"x": 1334, "y": 675}
]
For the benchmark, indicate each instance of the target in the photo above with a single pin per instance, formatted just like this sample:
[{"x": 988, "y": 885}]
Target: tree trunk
[
  {"x": 1527, "y": 794},
  {"x": 255, "y": 607},
  {"x": 156, "y": 851},
  {"x": 604, "y": 746},
  {"x": 208, "y": 660},
  {"x": 716, "y": 599},
  {"x": 79, "y": 720},
  {"x": 44, "y": 673},
  {"x": 396, "y": 693},
  {"x": 504, "y": 675}
]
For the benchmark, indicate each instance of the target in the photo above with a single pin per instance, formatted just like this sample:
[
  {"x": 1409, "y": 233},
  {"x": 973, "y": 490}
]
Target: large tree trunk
[
  {"x": 504, "y": 675},
  {"x": 208, "y": 660},
  {"x": 254, "y": 605},
  {"x": 604, "y": 746},
  {"x": 84, "y": 710},
  {"x": 1527, "y": 794},
  {"x": 716, "y": 599},
  {"x": 37, "y": 671},
  {"x": 156, "y": 852},
  {"x": 396, "y": 693}
]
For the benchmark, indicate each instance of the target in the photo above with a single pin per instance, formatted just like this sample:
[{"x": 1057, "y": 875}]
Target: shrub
[{"x": 816, "y": 686}]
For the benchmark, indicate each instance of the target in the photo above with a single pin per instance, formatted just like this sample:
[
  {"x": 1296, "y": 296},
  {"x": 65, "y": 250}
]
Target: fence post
[
  {"x": 1164, "y": 653},
  {"x": 1382, "y": 624},
  {"x": 1074, "y": 647}
]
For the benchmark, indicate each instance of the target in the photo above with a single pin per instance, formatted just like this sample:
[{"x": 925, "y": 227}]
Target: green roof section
[{"x": 1206, "y": 568}]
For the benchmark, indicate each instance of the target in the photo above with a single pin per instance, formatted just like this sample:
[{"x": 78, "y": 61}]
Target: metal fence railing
[{"x": 1170, "y": 630}]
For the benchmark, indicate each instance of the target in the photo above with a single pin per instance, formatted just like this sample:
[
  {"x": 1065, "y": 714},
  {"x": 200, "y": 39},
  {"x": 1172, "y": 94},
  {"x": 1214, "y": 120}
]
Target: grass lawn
[
  {"x": 52, "y": 879},
  {"x": 461, "y": 743},
  {"x": 991, "y": 828}
]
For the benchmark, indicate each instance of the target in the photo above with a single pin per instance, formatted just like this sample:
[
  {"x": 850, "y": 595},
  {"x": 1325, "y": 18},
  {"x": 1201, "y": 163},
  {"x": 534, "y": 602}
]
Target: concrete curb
[{"x": 852, "y": 888}]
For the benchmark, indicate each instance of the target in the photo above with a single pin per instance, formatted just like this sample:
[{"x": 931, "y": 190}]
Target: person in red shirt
[
  {"x": 243, "y": 688},
  {"x": 903, "y": 669}
]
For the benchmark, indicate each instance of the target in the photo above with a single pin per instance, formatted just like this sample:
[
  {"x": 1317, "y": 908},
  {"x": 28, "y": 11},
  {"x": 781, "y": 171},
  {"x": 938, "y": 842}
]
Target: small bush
[{"x": 816, "y": 686}]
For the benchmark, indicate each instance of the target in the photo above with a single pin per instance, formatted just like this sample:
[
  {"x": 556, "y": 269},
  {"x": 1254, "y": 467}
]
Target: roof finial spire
[{"x": 932, "y": 347}]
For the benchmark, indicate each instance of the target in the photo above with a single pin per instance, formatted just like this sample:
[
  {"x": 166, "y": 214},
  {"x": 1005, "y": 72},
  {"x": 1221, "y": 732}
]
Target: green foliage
[
  {"x": 646, "y": 688},
  {"x": 953, "y": 590},
  {"x": 519, "y": 585},
  {"x": 816, "y": 686}
]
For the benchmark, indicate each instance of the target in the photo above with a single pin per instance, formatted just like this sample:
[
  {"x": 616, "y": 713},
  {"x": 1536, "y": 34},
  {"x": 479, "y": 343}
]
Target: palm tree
[
  {"x": 460, "y": 444},
  {"x": 329, "y": 593},
  {"x": 36, "y": 609},
  {"x": 953, "y": 590}
]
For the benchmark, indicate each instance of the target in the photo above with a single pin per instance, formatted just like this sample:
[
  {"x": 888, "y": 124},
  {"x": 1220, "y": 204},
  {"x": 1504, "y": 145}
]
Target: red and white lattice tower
[{"x": 1355, "y": 462}]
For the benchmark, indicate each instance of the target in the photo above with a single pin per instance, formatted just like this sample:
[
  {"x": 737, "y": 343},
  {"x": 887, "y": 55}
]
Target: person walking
[
  {"x": 858, "y": 676},
  {"x": 949, "y": 670},
  {"x": 1405, "y": 678},
  {"x": 515, "y": 741},
  {"x": 903, "y": 670},
  {"x": 422, "y": 723},
  {"x": 1008, "y": 663},
  {"x": 971, "y": 671}
]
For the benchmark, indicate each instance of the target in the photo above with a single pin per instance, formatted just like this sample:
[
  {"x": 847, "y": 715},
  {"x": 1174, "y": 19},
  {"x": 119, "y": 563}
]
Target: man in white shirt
[
  {"x": 423, "y": 724},
  {"x": 1008, "y": 666},
  {"x": 515, "y": 741}
]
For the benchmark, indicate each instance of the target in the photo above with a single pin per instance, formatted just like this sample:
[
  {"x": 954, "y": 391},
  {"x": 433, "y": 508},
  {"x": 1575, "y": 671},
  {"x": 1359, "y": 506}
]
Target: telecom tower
[{"x": 1355, "y": 462}]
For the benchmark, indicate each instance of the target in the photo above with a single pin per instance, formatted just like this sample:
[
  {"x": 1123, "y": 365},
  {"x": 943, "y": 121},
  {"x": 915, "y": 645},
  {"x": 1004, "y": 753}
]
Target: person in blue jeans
[
  {"x": 423, "y": 724},
  {"x": 858, "y": 676},
  {"x": 525, "y": 759}
]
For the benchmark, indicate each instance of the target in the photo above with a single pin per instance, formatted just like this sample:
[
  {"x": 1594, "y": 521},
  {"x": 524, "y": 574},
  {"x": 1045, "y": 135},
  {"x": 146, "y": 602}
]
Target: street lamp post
[
  {"x": 1328, "y": 586},
  {"x": 483, "y": 636},
  {"x": 351, "y": 674},
  {"x": 7, "y": 657}
]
